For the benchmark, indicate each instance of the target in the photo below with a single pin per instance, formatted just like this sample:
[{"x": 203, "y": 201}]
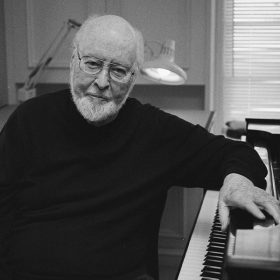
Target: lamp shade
[{"x": 163, "y": 69}]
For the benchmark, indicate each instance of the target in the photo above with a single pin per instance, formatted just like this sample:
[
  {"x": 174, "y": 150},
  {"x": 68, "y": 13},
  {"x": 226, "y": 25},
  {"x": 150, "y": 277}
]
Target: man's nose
[{"x": 102, "y": 78}]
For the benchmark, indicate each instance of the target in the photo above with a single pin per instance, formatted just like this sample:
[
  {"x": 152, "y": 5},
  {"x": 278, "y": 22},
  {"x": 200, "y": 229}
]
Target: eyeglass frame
[{"x": 130, "y": 70}]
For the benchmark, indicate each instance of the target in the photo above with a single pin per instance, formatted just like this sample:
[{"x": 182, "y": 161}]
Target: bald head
[{"x": 112, "y": 33}]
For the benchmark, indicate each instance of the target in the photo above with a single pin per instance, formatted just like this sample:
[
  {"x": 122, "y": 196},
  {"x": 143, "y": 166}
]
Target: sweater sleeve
[
  {"x": 202, "y": 159},
  {"x": 11, "y": 169}
]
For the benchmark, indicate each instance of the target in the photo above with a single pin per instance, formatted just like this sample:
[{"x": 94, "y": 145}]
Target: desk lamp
[{"x": 163, "y": 69}]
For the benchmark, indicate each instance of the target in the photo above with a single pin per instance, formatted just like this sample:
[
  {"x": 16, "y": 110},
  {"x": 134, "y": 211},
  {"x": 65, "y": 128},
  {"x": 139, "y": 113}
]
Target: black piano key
[
  {"x": 216, "y": 269},
  {"x": 209, "y": 278},
  {"x": 217, "y": 227},
  {"x": 216, "y": 249},
  {"x": 217, "y": 254},
  {"x": 217, "y": 240},
  {"x": 218, "y": 236},
  {"x": 213, "y": 269},
  {"x": 214, "y": 255},
  {"x": 215, "y": 243},
  {"x": 218, "y": 231},
  {"x": 211, "y": 258},
  {"x": 213, "y": 262},
  {"x": 212, "y": 274}
]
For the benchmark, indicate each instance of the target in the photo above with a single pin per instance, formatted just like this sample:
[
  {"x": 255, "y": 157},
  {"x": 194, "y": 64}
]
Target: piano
[{"x": 250, "y": 249}]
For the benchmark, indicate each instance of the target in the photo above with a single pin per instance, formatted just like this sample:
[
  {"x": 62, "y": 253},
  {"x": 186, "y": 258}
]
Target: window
[{"x": 251, "y": 59}]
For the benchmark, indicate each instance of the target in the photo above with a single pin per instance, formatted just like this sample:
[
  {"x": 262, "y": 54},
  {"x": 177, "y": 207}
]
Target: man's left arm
[{"x": 211, "y": 161}]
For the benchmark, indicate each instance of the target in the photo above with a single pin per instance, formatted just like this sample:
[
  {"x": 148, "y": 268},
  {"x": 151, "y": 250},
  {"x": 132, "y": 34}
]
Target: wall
[
  {"x": 179, "y": 98},
  {"x": 3, "y": 69},
  {"x": 30, "y": 31}
]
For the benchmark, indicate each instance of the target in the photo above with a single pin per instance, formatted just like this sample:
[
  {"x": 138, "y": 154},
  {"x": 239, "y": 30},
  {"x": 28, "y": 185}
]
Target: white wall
[
  {"x": 32, "y": 24},
  {"x": 3, "y": 70}
]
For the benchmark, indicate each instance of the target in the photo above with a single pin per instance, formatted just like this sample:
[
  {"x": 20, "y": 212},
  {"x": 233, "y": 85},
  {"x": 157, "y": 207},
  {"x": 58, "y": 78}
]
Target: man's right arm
[{"x": 11, "y": 169}]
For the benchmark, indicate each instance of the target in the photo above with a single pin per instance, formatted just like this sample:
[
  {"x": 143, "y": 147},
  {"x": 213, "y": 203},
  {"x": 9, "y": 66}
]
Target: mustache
[{"x": 98, "y": 96}]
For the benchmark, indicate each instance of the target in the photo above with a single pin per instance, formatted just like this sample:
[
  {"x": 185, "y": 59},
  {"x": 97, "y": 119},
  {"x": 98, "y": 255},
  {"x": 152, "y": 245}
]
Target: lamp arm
[
  {"x": 148, "y": 47},
  {"x": 49, "y": 54}
]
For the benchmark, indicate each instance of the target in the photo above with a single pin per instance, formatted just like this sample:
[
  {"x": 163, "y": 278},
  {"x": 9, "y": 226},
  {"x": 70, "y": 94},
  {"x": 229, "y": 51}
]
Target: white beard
[{"x": 95, "y": 111}]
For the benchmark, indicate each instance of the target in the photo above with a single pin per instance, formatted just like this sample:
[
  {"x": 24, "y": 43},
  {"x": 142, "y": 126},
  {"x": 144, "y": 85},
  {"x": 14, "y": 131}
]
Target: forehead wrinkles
[
  {"x": 104, "y": 49},
  {"x": 116, "y": 39}
]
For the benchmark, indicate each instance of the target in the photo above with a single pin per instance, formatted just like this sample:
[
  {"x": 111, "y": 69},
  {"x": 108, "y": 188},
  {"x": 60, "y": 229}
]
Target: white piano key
[{"x": 194, "y": 258}]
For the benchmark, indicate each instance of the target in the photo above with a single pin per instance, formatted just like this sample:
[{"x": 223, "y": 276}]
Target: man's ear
[
  {"x": 132, "y": 82},
  {"x": 134, "y": 78},
  {"x": 135, "y": 75}
]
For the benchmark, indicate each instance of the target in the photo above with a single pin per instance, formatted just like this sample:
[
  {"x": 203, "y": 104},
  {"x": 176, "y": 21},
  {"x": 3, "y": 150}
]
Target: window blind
[{"x": 251, "y": 59}]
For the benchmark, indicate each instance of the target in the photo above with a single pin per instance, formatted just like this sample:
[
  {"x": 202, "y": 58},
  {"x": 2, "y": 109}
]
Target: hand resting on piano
[{"x": 239, "y": 192}]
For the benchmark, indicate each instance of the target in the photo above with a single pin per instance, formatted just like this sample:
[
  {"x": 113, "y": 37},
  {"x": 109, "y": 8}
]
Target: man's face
[{"x": 98, "y": 97}]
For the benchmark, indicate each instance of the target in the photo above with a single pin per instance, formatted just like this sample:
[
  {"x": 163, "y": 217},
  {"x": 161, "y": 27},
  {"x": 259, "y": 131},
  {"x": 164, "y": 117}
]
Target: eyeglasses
[{"x": 93, "y": 65}]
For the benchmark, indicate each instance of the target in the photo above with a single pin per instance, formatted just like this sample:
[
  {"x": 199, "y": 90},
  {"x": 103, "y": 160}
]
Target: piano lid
[{"x": 267, "y": 125}]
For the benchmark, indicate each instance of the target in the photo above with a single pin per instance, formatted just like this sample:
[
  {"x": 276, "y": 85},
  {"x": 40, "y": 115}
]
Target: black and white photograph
[{"x": 139, "y": 139}]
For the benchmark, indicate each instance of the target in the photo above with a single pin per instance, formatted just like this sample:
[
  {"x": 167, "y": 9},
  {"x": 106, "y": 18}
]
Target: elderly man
[{"x": 84, "y": 173}]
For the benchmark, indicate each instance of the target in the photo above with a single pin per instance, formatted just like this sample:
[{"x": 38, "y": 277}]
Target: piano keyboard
[{"x": 205, "y": 254}]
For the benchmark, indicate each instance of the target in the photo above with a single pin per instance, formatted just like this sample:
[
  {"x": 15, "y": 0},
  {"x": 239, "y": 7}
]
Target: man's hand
[{"x": 239, "y": 192}]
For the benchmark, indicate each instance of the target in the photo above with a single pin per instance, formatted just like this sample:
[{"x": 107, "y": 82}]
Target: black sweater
[{"x": 85, "y": 202}]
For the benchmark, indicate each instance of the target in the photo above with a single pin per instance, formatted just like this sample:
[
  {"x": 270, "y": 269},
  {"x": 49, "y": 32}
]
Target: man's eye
[
  {"x": 119, "y": 71},
  {"x": 92, "y": 64}
]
